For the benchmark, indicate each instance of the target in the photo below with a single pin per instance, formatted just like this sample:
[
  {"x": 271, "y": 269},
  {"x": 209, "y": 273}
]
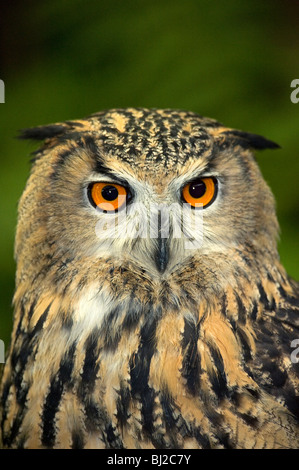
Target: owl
[{"x": 151, "y": 308}]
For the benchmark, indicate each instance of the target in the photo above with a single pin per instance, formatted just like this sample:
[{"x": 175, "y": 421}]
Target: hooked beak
[{"x": 161, "y": 256}]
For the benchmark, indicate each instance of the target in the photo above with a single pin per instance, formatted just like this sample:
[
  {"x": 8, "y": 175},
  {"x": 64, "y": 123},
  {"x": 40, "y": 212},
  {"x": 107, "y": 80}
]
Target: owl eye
[
  {"x": 200, "y": 191},
  {"x": 109, "y": 197}
]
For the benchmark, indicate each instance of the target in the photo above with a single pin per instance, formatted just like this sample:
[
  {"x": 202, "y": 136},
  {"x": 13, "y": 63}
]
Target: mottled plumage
[{"x": 138, "y": 342}]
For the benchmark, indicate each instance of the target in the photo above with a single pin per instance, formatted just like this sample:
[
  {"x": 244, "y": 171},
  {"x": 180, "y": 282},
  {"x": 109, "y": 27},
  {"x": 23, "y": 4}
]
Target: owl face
[
  {"x": 151, "y": 310},
  {"x": 153, "y": 188}
]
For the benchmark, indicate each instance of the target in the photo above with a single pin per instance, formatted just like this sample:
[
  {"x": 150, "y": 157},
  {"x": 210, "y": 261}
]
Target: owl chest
[
  {"x": 133, "y": 358},
  {"x": 140, "y": 344}
]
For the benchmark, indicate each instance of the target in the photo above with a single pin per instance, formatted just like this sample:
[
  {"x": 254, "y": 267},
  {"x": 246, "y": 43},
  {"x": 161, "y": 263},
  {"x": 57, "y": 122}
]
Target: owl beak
[{"x": 161, "y": 256}]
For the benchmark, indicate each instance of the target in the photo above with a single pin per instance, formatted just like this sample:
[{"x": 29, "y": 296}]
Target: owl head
[{"x": 147, "y": 188}]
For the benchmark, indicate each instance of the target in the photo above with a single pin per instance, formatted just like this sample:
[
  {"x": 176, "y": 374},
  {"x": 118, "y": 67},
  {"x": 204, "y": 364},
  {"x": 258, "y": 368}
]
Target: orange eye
[
  {"x": 201, "y": 191},
  {"x": 108, "y": 197}
]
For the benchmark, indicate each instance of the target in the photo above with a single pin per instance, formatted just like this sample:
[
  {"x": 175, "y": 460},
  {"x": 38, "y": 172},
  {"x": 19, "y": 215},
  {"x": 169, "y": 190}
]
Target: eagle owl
[{"x": 151, "y": 309}]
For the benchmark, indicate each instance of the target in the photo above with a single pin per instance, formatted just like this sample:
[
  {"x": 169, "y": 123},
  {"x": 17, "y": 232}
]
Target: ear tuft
[
  {"x": 253, "y": 141},
  {"x": 42, "y": 132}
]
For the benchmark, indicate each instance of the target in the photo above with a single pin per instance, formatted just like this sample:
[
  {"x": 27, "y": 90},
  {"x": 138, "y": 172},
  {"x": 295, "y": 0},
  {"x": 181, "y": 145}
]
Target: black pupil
[
  {"x": 110, "y": 193},
  {"x": 197, "y": 189}
]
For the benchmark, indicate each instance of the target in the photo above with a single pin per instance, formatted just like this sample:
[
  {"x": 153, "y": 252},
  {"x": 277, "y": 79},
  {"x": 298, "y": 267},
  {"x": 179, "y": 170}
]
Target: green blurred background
[{"x": 230, "y": 60}]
